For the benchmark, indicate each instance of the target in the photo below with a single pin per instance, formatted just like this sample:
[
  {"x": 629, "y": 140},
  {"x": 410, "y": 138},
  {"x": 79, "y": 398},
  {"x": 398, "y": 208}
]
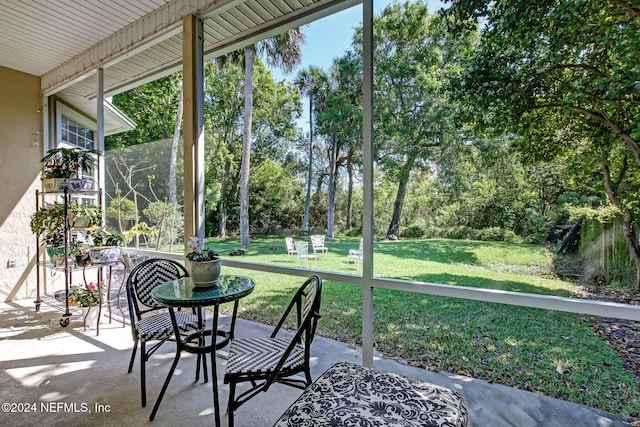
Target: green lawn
[{"x": 548, "y": 352}]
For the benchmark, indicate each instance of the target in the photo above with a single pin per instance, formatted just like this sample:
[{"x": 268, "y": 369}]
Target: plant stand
[{"x": 67, "y": 266}]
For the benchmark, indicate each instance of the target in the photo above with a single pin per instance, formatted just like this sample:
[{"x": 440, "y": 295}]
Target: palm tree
[
  {"x": 308, "y": 82},
  {"x": 283, "y": 51},
  {"x": 339, "y": 117}
]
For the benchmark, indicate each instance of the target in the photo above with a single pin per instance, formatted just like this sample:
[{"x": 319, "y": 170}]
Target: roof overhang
[{"x": 133, "y": 41}]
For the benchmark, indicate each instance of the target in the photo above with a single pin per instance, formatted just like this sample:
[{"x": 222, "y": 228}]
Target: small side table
[
  {"x": 183, "y": 293},
  {"x": 110, "y": 266}
]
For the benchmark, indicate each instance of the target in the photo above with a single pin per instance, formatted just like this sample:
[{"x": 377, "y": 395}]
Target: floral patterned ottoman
[{"x": 352, "y": 395}]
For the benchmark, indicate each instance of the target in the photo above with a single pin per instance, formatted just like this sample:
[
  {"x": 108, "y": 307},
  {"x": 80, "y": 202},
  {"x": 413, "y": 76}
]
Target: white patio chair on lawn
[
  {"x": 355, "y": 255},
  {"x": 302, "y": 249},
  {"x": 291, "y": 248},
  {"x": 317, "y": 241}
]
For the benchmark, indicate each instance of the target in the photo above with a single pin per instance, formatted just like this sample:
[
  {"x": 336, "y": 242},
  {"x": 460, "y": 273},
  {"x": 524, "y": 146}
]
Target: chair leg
[
  {"x": 166, "y": 382},
  {"x": 143, "y": 379},
  {"x": 133, "y": 355},
  {"x": 232, "y": 326},
  {"x": 231, "y": 404}
]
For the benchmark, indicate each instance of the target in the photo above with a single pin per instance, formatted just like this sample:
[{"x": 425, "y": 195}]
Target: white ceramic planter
[
  {"x": 90, "y": 316},
  {"x": 104, "y": 254},
  {"x": 205, "y": 273}
]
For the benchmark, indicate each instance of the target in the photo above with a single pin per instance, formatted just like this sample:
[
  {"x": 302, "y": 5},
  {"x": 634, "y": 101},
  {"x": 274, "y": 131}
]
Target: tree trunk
[
  {"x": 394, "y": 227},
  {"x": 249, "y": 56},
  {"x": 136, "y": 239},
  {"x": 307, "y": 201},
  {"x": 349, "y": 221},
  {"x": 332, "y": 184},
  {"x": 174, "y": 150},
  {"x": 631, "y": 143},
  {"x": 222, "y": 209}
]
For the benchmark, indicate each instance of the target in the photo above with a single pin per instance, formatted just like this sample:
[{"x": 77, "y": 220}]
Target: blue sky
[{"x": 330, "y": 37}]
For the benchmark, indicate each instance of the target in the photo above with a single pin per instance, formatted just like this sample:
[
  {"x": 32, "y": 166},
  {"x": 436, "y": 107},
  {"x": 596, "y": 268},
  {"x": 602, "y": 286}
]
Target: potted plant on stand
[
  {"x": 204, "y": 263},
  {"x": 63, "y": 167},
  {"x": 106, "y": 246},
  {"x": 49, "y": 221},
  {"x": 88, "y": 297}
]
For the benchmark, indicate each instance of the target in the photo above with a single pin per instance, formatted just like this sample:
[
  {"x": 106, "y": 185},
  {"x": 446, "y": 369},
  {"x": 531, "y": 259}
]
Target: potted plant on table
[
  {"x": 88, "y": 297},
  {"x": 204, "y": 263},
  {"x": 106, "y": 246},
  {"x": 64, "y": 167}
]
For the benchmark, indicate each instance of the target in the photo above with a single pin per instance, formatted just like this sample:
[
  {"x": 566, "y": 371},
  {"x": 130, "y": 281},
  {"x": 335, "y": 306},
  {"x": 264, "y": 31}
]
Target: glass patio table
[{"x": 183, "y": 293}]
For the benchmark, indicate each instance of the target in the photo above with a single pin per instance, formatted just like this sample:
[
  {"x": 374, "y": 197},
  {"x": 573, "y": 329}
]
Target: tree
[
  {"x": 168, "y": 220},
  {"x": 578, "y": 64},
  {"x": 153, "y": 107},
  {"x": 283, "y": 50},
  {"x": 413, "y": 108},
  {"x": 308, "y": 81},
  {"x": 339, "y": 118},
  {"x": 276, "y": 107}
]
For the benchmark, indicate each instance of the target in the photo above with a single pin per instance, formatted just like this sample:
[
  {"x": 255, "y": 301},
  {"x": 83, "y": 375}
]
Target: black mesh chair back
[
  {"x": 151, "y": 321},
  {"x": 264, "y": 361}
]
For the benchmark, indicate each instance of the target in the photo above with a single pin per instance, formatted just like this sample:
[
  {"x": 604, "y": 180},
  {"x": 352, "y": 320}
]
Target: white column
[
  {"x": 100, "y": 138},
  {"x": 193, "y": 126},
  {"x": 367, "y": 160}
]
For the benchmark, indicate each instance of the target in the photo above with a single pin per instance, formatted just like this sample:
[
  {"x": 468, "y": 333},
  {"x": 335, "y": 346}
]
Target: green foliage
[
  {"x": 122, "y": 210},
  {"x": 605, "y": 252},
  {"x": 153, "y": 107},
  {"x": 87, "y": 295},
  {"x": 565, "y": 84},
  {"x": 168, "y": 221},
  {"x": 101, "y": 237},
  {"x": 50, "y": 220},
  {"x": 413, "y": 231},
  {"x": 276, "y": 197},
  {"x": 68, "y": 162}
]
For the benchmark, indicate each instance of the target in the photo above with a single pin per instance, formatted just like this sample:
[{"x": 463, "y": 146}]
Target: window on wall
[
  {"x": 74, "y": 133},
  {"x": 73, "y": 128}
]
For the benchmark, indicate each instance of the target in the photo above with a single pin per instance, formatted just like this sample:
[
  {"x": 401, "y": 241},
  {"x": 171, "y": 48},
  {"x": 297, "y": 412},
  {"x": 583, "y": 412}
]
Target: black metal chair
[
  {"x": 264, "y": 361},
  {"x": 151, "y": 321}
]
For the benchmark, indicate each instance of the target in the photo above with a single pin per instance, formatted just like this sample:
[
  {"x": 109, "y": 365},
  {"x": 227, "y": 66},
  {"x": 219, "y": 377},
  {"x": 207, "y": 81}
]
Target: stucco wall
[{"x": 20, "y": 154}]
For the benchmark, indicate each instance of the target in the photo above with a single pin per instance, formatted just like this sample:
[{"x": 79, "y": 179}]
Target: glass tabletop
[{"x": 184, "y": 293}]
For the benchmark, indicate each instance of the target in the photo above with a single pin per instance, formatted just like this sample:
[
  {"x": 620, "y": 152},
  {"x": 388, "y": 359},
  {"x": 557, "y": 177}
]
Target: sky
[{"x": 329, "y": 38}]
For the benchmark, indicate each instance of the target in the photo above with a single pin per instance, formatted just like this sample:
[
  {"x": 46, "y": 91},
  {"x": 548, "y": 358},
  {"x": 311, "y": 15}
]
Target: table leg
[
  {"x": 214, "y": 369},
  {"x": 201, "y": 343},
  {"x": 124, "y": 281}
]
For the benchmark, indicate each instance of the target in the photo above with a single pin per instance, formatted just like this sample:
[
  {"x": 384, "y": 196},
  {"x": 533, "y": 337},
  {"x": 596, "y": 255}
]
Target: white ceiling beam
[
  {"x": 304, "y": 16},
  {"x": 153, "y": 28}
]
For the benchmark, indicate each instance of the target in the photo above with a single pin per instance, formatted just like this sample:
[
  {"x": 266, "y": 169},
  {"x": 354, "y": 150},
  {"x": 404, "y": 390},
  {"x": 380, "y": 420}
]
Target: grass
[{"x": 548, "y": 352}]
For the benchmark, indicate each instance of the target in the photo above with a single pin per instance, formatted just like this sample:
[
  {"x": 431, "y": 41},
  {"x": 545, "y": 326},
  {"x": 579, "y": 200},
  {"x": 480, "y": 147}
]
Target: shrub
[{"x": 413, "y": 231}]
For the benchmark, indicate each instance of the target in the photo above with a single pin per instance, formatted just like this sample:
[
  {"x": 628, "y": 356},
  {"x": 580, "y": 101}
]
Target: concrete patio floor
[{"x": 54, "y": 376}]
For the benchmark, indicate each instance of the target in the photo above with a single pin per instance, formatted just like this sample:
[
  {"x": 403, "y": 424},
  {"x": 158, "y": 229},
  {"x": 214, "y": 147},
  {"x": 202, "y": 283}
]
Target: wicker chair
[
  {"x": 151, "y": 321},
  {"x": 264, "y": 361}
]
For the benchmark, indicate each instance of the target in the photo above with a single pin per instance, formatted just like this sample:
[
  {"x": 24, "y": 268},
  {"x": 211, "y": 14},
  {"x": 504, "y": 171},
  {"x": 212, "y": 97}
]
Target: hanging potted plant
[
  {"x": 204, "y": 263},
  {"x": 64, "y": 167},
  {"x": 106, "y": 246}
]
